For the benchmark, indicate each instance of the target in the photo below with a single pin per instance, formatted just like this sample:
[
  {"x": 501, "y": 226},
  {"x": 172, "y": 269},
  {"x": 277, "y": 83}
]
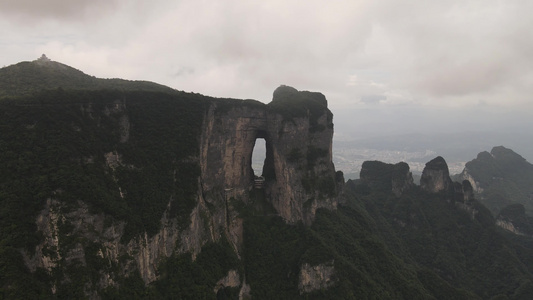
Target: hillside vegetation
[
  {"x": 129, "y": 156},
  {"x": 503, "y": 177},
  {"x": 26, "y": 78}
]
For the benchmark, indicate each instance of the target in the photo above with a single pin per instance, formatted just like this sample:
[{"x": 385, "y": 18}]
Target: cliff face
[
  {"x": 500, "y": 178},
  {"x": 514, "y": 219},
  {"x": 436, "y": 179},
  {"x": 298, "y": 171},
  {"x": 391, "y": 177},
  {"x": 178, "y": 200},
  {"x": 436, "y": 176},
  {"x": 303, "y": 176}
]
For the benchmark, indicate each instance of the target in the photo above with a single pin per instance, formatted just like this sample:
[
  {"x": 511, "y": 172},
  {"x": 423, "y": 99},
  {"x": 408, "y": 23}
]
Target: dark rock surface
[
  {"x": 391, "y": 177},
  {"x": 436, "y": 176},
  {"x": 298, "y": 170}
]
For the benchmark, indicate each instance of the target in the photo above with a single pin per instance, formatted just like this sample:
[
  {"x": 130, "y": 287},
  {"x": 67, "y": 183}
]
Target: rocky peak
[
  {"x": 391, "y": 177},
  {"x": 284, "y": 92},
  {"x": 436, "y": 179},
  {"x": 505, "y": 154},
  {"x": 289, "y": 94},
  {"x": 500, "y": 177},
  {"x": 436, "y": 176}
]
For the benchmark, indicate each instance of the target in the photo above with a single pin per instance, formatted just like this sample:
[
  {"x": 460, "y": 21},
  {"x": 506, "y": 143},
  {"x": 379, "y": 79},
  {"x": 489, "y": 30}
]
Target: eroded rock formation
[
  {"x": 514, "y": 219},
  {"x": 318, "y": 277},
  {"x": 436, "y": 179},
  {"x": 436, "y": 176},
  {"x": 298, "y": 170},
  {"x": 391, "y": 177}
]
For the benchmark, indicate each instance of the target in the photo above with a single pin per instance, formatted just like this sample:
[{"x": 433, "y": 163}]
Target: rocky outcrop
[
  {"x": 499, "y": 178},
  {"x": 463, "y": 198},
  {"x": 390, "y": 177},
  {"x": 468, "y": 191},
  {"x": 509, "y": 226},
  {"x": 436, "y": 176},
  {"x": 494, "y": 166},
  {"x": 58, "y": 224},
  {"x": 465, "y": 175},
  {"x": 230, "y": 280},
  {"x": 47, "y": 223},
  {"x": 298, "y": 170},
  {"x": 436, "y": 179},
  {"x": 513, "y": 218},
  {"x": 319, "y": 277}
]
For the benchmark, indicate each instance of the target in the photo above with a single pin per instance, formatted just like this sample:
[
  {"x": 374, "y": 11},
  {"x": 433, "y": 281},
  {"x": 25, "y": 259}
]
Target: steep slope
[
  {"x": 500, "y": 178},
  {"x": 448, "y": 237}
]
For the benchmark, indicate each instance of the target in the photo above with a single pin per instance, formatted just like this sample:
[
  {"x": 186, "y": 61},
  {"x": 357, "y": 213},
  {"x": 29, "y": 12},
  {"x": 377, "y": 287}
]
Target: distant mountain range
[{"x": 417, "y": 148}]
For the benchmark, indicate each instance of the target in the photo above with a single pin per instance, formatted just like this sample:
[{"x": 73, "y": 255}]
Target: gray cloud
[
  {"x": 380, "y": 63},
  {"x": 460, "y": 47},
  {"x": 372, "y": 99},
  {"x": 29, "y": 10}
]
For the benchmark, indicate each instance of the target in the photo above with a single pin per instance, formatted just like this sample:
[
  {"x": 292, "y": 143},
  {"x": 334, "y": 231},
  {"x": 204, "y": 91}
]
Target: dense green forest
[{"x": 52, "y": 145}]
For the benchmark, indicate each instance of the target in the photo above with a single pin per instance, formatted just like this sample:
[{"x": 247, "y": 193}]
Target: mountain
[
  {"x": 514, "y": 219},
  {"x": 501, "y": 178},
  {"x": 128, "y": 193},
  {"x": 26, "y": 78},
  {"x": 445, "y": 234}
]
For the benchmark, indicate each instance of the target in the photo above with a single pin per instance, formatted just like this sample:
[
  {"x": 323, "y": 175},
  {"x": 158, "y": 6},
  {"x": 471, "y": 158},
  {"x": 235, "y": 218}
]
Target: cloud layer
[{"x": 363, "y": 55}]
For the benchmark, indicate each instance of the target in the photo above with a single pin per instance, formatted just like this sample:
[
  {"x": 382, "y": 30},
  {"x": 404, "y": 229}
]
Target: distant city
[{"x": 349, "y": 159}]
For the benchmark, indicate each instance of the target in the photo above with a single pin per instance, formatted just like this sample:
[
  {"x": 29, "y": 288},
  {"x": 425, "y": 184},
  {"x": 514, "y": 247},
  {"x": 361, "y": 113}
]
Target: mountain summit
[
  {"x": 500, "y": 178},
  {"x": 26, "y": 78},
  {"x": 43, "y": 58}
]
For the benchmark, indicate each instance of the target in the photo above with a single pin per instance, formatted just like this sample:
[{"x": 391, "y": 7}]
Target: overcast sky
[{"x": 384, "y": 66}]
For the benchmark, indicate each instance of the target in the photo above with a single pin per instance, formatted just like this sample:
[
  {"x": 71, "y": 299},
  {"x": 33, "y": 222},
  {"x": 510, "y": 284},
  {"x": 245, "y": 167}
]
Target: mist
[{"x": 420, "y": 75}]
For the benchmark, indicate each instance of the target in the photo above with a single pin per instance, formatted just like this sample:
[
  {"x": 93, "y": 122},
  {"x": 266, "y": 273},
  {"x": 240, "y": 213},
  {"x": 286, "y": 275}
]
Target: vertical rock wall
[
  {"x": 436, "y": 176},
  {"x": 299, "y": 172},
  {"x": 299, "y": 179}
]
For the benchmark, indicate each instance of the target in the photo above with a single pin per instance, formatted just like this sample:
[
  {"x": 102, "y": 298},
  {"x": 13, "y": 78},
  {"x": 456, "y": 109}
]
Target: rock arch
[{"x": 298, "y": 131}]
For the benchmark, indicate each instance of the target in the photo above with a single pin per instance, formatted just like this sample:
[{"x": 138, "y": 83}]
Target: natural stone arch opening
[
  {"x": 258, "y": 156},
  {"x": 261, "y": 158}
]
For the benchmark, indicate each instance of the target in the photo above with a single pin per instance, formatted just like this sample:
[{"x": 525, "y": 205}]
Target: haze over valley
[{"x": 388, "y": 69}]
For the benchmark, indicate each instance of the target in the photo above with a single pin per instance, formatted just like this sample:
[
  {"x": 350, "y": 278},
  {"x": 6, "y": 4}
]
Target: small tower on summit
[{"x": 43, "y": 58}]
